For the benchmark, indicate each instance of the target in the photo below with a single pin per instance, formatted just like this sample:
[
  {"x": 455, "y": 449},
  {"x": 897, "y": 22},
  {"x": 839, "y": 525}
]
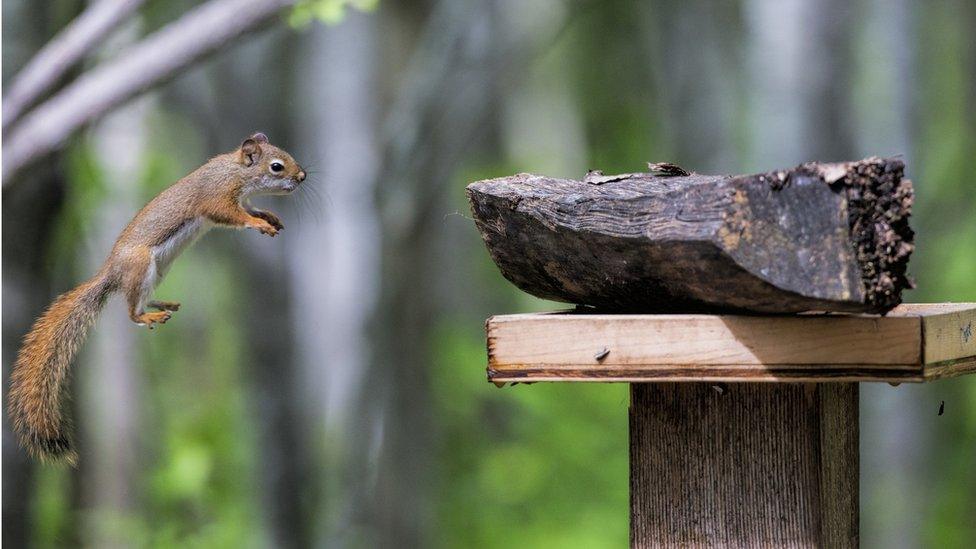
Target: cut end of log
[
  {"x": 879, "y": 203},
  {"x": 879, "y": 223}
]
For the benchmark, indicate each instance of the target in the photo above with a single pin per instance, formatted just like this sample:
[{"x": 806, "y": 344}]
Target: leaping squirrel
[{"x": 216, "y": 193}]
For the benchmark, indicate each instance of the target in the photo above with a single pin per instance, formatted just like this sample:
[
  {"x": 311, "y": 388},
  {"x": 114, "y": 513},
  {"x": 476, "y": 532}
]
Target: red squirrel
[{"x": 215, "y": 194}]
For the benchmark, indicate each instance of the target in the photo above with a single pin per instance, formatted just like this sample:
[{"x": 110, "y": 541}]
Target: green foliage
[
  {"x": 200, "y": 489},
  {"x": 50, "y": 509},
  {"x": 945, "y": 218},
  {"x": 330, "y": 12},
  {"x": 85, "y": 192},
  {"x": 527, "y": 466},
  {"x": 617, "y": 95},
  {"x": 945, "y": 209}
]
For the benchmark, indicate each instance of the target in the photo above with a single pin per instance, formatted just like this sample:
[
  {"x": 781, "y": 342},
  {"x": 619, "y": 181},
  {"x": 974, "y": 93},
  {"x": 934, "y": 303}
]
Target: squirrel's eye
[{"x": 277, "y": 167}]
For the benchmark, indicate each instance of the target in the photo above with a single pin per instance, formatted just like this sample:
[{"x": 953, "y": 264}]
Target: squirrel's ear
[
  {"x": 250, "y": 151},
  {"x": 260, "y": 137}
]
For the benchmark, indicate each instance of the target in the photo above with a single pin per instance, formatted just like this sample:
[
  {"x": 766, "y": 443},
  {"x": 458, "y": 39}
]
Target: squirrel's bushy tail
[{"x": 38, "y": 377}]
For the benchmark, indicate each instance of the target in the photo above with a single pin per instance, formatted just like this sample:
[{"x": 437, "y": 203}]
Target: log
[{"x": 817, "y": 237}]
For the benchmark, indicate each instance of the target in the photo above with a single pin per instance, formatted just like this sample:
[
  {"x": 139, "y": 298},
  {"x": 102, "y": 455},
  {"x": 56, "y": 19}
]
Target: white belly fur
[{"x": 165, "y": 253}]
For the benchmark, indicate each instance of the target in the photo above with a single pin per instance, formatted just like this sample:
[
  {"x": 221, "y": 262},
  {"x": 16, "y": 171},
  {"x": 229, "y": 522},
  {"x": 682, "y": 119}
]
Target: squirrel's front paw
[
  {"x": 271, "y": 218},
  {"x": 264, "y": 227},
  {"x": 268, "y": 229}
]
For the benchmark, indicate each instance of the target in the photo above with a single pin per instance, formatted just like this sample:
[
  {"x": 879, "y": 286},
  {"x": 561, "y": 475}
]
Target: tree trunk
[
  {"x": 334, "y": 256},
  {"x": 444, "y": 100},
  {"x": 29, "y": 216},
  {"x": 692, "y": 49}
]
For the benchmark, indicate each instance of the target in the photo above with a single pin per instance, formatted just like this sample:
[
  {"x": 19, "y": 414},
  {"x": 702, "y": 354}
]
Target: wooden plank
[
  {"x": 949, "y": 334},
  {"x": 704, "y": 339},
  {"x": 756, "y": 465},
  {"x": 915, "y": 342}
]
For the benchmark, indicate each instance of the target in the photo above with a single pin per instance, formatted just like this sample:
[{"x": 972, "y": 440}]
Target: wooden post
[
  {"x": 744, "y": 465},
  {"x": 743, "y": 429}
]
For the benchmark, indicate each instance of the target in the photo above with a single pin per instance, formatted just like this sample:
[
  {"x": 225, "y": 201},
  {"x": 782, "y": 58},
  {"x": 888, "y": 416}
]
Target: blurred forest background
[{"x": 326, "y": 388}]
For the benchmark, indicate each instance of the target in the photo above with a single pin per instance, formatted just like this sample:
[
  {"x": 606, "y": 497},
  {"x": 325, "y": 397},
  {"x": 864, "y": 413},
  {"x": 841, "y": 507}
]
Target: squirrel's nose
[{"x": 301, "y": 175}]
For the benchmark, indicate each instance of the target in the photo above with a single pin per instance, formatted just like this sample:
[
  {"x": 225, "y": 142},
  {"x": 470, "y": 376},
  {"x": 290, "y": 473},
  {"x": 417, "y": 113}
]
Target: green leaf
[{"x": 330, "y": 12}]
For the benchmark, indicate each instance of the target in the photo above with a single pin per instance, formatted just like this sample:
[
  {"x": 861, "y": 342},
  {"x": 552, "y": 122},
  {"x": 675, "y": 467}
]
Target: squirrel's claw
[
  {"x": 263, "y": 226},
  {"x": 270, "y": 217},
  {"x": 273, "y": 220}
]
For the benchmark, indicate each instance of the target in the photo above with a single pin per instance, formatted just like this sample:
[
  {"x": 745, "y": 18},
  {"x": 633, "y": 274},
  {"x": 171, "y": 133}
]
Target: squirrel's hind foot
[
  {"x": 148, "y": 319},
  {"x": 164, "y": 305}
]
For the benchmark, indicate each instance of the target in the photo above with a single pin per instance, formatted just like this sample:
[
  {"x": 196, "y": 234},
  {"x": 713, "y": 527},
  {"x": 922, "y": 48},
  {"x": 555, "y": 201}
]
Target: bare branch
[
  {"x": 63, "y": 52},
  {"x": 149, "y": 62}
]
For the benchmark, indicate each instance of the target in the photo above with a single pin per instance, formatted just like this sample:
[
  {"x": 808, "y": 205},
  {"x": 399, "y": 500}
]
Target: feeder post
[{"x": 744, "y": 465}]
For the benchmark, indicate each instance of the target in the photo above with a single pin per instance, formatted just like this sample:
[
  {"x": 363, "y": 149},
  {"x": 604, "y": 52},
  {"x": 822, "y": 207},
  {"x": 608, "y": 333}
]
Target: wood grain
[
  {"x": 913, "y": 343},
  {"x": 949, "y": 335},
  {"x": 755, "y": 465}
]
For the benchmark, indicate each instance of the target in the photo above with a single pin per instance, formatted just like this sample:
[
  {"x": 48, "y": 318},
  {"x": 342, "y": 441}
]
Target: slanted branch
[
  {"x": 159, "y": 56},
  {"x": 816, "y": 237}
]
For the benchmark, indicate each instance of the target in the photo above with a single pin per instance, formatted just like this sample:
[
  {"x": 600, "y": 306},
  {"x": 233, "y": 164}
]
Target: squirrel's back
[{"x": 181, "y": 202}]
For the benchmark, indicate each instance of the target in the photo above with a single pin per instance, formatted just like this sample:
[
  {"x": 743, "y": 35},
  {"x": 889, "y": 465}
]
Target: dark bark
[
  {"x": 816, "y": 237},
  {"x": 288, "y": 476}
]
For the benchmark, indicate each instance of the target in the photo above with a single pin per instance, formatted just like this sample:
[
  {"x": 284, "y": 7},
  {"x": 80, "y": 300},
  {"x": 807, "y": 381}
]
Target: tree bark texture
[
  {"x": 744, "y": 465},
  {"x": 831, "y": 237}
]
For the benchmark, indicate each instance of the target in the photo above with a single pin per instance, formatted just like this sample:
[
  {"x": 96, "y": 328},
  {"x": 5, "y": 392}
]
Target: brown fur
[{"x": 215, "y": 193}]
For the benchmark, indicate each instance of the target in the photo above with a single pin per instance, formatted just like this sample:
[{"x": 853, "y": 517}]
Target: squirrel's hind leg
[
  {"x": 138, "y": 283},
  {"x": 164, "y": 305}
]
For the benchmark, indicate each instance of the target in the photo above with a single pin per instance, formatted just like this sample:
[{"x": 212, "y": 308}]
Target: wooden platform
[{"x": 913, "y": 343}]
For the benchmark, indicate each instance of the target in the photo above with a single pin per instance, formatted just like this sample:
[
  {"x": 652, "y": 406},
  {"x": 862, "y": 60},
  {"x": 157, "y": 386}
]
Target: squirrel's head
[{"x": 268, "y": 169}]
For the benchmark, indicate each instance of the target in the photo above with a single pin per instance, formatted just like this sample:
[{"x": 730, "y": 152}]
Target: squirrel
[{"x": 215, "y": 194}]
